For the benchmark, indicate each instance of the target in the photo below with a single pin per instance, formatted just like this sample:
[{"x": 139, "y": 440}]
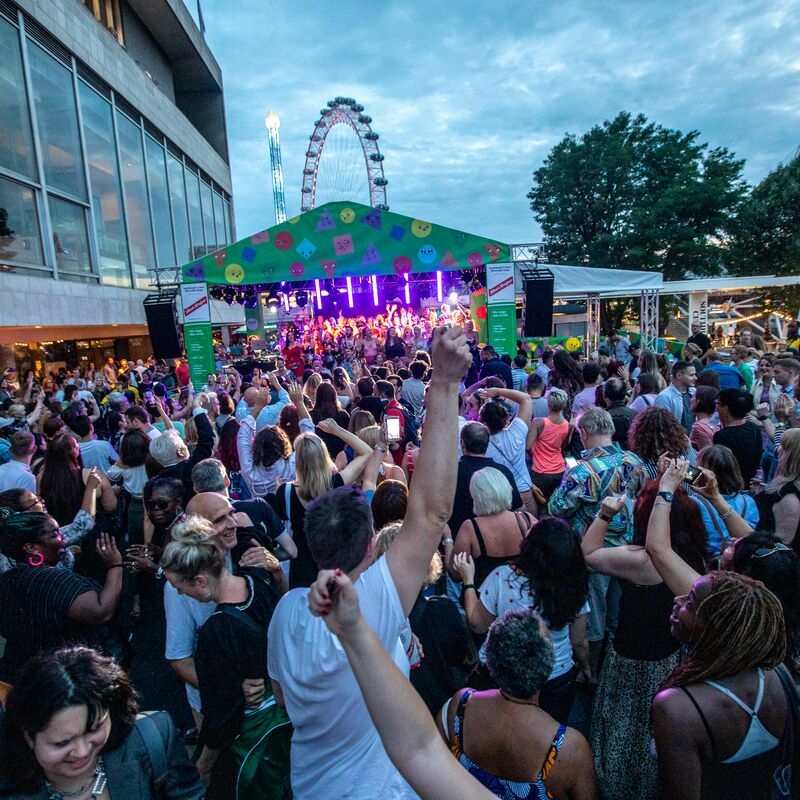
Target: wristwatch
[{"x": 668, "y": 496}]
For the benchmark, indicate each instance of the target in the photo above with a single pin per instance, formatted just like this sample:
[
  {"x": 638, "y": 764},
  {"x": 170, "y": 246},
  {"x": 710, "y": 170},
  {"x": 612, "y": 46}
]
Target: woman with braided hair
[{"x": 723, "y": 716}]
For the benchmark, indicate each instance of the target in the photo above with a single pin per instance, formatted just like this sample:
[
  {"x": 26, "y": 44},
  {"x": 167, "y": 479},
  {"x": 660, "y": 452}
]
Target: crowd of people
[{"x": 399, "y": 564}]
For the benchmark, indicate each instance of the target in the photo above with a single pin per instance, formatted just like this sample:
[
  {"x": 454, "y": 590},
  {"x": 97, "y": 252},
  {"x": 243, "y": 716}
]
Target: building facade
[{"x": 113, "y": 162}]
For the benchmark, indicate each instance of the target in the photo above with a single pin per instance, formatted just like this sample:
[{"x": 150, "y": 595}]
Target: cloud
[{"x": 469, "y": 97}]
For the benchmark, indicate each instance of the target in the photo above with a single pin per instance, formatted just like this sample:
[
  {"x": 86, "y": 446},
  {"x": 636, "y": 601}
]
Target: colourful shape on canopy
[
  {"x": 373, "y": 219},
  {"x": 372, "y": 256},
  {"x": 448, "y": 261},
  {"x": 326, "y": 222},
  {"x": 328, "y": 267},
  {"x": 402, "y": 265},
  {"x": 219, "y": 256},
  {"x": 378, "y": 239},
  {"x": 305, "y": 248}
]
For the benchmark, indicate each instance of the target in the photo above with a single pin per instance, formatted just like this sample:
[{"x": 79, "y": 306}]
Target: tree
[
  {"x": 766, "y": 236},
  {"x": 630, "y": 194}
]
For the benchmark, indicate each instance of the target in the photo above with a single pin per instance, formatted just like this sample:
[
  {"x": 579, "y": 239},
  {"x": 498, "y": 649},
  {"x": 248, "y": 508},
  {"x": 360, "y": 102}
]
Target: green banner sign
[
  {"x": 503, "y": 328},
  {"x": 199, "y": 351},
  {"x": 344, "y": 239}
]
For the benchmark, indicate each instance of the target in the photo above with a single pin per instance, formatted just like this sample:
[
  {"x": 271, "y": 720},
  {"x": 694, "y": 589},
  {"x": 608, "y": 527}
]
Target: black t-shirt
[
  {"x": 267, "y": 524},
  {"x": 446, "y": 644},
  {"x": 232, "y": 646},
  {"x": 701, "y": 340},
  {"x": 303, "y": 569},
  {"x": 373, "y": 405},
  {"x": 746, "y": 444},
  {"x": 334, "y": 444},
  {"x": 34, "y": 608},
  {"x": 462, "y": 503}
]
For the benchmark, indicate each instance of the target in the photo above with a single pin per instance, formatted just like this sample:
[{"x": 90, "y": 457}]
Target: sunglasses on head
[
  {"x": 161, "y": 505},
  {"x": 763, "y": 552}
]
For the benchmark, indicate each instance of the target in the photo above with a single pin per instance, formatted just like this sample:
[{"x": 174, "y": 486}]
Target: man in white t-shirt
[{"x": 336, "y": 750}]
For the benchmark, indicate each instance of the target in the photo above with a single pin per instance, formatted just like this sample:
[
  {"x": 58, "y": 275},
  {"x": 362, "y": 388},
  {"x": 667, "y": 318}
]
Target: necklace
[
  {"x": 518, "y": 702},
  {"x": 98, "y": 782}
]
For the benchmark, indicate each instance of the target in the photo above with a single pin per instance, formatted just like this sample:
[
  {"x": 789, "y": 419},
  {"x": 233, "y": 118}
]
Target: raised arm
[
  {"x": 97, "y": 608},
  {"x": 402, "y": 719},
  {"x": 430, "y": 501},
  {"x": 522, "y": 399},
  {"x": 162, "y": 413},
  {"x": 709, "y": 488},
  {"x": 295, "y": 392},
  {"x": 674, "y": 571}
]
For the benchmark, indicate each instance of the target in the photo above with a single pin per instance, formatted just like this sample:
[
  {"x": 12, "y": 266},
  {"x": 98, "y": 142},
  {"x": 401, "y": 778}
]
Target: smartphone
[
  {"x": 148, "y": 396},
  {"x": 692, "y": 475},
  {"x": 570, "y": 462},
  {"x": 393, "y": 429}
]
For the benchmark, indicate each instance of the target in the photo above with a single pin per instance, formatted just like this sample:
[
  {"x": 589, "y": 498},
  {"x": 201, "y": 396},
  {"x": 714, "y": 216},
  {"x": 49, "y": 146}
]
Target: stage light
[
  {"x": 375, "y": 290},
  {"x": 349, "y": 292},
  {"x": 285, "y": 301},
  {"x": 438, "y": 287},
  {"x": 319, "y": 294},
  {"x": 273, "y": 301},
  {"x": 301, "y": 299},
  {"x": 408, "y": 293},
  {"x": 453, "y": 297}
]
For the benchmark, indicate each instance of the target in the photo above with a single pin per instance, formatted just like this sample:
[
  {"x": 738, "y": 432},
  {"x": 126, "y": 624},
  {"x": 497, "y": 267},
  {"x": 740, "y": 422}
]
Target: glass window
[
  {"x": 19, "y": 225},
  {"x": 57, "y": 121},
  {"x": 227, "y": 217},
  {"x": 218, "y": 220},
  {"x": 195, "y": 214},
  {"x": 137, "y": 210},
  {"x": 109, "y": 225},
  {"x": 16, "y": 139},
  {"x": 208, "y": 216},
  {"x": 180, "y": 218},
  {"x": 159, "y": 200},
  {"x": 70, "y": 237}
]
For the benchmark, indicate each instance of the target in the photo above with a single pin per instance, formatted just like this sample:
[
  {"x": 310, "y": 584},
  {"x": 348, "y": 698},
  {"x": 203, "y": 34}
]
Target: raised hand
[
  {"x": 612, "y": 505},
  {"x": 674, "y": 475},
  {"x": 450, "y": 354},
  {"x": 333, "y": 598},
  {"x": 108, "y": 552},
  {"x": 465, "y": 566}
]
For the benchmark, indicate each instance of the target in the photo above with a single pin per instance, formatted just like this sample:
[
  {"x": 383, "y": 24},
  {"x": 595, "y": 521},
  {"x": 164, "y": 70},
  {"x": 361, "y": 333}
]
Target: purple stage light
[
  {"x": 319, "y": 293},
  {"x": 439, "y": 287},
  {"x": 286, "y": 300},
  {"x": 375, "y": 290},
  {"x": 408, "y": 294},
  {"x": 349, "y": 292}
]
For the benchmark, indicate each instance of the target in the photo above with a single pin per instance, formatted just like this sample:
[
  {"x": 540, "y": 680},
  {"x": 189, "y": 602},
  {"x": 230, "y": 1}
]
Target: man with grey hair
[
  {"x": 605, "y": 469},
  {"x": 474, "y": 443},
  {"x": 210, "y": 475}
]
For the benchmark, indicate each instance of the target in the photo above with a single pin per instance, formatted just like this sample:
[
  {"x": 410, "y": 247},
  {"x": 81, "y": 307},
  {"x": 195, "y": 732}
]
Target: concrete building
[{"x": 113, "y": 161}]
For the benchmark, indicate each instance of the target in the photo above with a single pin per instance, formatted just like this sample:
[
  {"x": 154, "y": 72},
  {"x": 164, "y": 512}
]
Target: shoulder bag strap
[
  {"x": 726, "y": 539},
  {"x": 522, "y": 529},
  {"x": 155, "y": 745}
]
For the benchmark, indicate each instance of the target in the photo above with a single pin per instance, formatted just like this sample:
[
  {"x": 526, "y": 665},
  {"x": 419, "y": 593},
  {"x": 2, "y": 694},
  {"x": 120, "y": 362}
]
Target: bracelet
[
  {"x": 729, "y": 513},
  {"x": 447, "y": 541},
  {"x": 467, "y": 586},
  {"x": 605, "y": 518}
]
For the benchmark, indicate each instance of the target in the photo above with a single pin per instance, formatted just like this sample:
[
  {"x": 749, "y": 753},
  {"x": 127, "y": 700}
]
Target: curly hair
[
  {"x": 552, "y": 561},
  {"x": 46, "y": 685},
  {"x": 289, "y": 421},
  {"x": 656, "y": 431},
  {"x": 270, "y": 445}
]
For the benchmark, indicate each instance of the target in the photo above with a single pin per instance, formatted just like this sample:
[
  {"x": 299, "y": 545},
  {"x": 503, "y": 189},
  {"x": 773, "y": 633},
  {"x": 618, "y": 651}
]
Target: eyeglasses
[
  {"x": 161, "y": 505},
  {"x": 763, "y": 552},
  {"x": 37, "y": 501}
]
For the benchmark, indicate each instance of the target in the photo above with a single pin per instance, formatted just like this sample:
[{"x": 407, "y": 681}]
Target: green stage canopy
[{"x": 341, "y": 239}]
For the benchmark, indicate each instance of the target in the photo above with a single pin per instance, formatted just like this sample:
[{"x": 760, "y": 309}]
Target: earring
[{"x": 36, "y": 560}]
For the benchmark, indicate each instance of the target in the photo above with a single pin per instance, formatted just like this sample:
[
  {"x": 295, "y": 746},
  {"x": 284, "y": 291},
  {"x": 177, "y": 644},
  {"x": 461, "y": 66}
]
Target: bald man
[{"x": 245, "y": 405}]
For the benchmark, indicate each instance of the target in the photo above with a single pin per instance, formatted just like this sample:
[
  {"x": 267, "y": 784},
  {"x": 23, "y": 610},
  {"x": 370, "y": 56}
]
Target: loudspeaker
[
  {"x": 162, "y": 325},
  {"x": 539, "y": 307}
]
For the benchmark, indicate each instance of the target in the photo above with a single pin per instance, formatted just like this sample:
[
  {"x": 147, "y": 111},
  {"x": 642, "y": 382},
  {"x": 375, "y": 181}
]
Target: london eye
[{"x": 343, "y": 161}]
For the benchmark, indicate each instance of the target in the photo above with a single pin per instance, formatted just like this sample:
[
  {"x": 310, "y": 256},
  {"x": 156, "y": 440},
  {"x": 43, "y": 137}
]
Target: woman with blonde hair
[
  {"x": 375, "y": 436},
  {"x": 231, "y": 648},
  {"x": 315, "y": 474},
  {"x": 311, "y": 385}
]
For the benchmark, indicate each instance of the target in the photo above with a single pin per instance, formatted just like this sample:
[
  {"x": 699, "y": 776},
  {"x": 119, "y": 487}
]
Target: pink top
[{"x": 546, "y": 450}]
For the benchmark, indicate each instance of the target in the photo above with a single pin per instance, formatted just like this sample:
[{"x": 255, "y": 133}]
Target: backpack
[{"x": 410, "y": 427}]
